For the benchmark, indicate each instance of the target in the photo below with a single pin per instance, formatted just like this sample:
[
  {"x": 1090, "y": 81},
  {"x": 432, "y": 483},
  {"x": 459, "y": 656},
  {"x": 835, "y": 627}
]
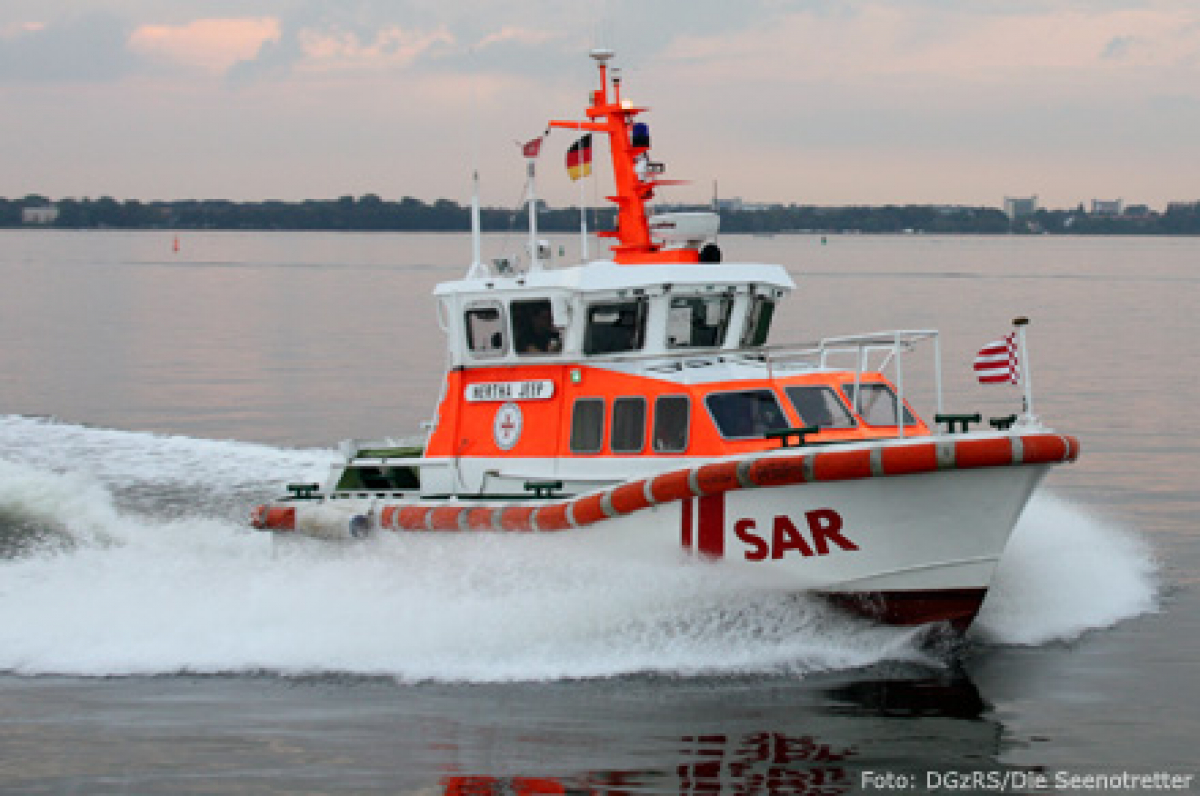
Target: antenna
[
  {"x": 476, "y": 227},
  {"x": 476, "y": 231},
  {"x": 535, "y": 262}
]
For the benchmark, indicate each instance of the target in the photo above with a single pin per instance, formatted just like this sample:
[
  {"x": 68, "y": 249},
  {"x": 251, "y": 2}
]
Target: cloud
[
  {"x": 386, "y": 49},
  {"x": 438, "y": 35},
  {"x": 356, "y": 35},
  {"x": 89, "y": 48},
  {"x": 513, "y": 34},
  {"x": 210, "y": 45},
  {"x": 316, "y": 51},
  {"x": 1032, "y": 44}
]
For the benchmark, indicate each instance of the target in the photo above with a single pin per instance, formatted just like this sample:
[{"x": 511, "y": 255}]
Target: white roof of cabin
[{"x": 605, "y": 275}]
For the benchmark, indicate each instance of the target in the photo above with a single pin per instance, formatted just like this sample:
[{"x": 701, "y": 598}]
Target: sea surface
[{"x": 154, "y": 388}]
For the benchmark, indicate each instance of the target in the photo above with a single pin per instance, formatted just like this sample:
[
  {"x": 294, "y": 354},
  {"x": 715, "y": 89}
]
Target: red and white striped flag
[{"x": 996, "y": 362}]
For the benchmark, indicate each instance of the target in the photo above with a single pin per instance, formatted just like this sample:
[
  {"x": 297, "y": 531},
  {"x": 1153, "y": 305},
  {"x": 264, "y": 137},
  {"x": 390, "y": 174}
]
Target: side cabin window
[
  {"x": 533, "y": 328},
  {"x": 587, "y": 425},
  {"x": 876, "y": 404},
  {"x": 672, "y": 417},
  {"x": 746, "y": 414},
  {"x": 819, "y": 406},
  {"x": 615, "y": 326},
  {"x": 698, "y": 321},
  {"x": 485, "y": 329},
  {"x": 378, "y": 479},
  {"x": 628, "y": 425},
  {"x": 758, "y": 322}
]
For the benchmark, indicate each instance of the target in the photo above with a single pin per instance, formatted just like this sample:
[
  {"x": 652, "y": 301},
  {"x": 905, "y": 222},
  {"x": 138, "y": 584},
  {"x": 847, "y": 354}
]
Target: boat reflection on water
[{"x": 788, "y": 738}]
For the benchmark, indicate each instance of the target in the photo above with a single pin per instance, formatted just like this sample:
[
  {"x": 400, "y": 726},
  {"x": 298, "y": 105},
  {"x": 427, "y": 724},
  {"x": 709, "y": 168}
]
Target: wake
[{"x": 127, "y": 553}]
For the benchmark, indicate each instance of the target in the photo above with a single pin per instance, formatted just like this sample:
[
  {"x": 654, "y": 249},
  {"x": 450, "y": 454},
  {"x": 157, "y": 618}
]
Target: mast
[
  {"x": 1024, "y": 369},
  {"x": 633, "y": 175}
]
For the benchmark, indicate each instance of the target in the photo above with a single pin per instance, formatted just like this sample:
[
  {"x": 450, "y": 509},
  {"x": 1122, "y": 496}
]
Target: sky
[{"x": 827, "y": 102}]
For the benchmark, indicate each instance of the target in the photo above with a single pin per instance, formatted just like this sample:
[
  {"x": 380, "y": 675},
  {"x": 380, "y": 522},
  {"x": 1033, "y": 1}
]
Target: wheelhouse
[
  {"x": 606, "y": 309},
  {"x": 589, "y": 373}
]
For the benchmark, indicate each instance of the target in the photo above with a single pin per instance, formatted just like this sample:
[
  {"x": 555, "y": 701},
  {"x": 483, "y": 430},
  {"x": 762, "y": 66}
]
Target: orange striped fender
[{"x": 923, "y": 456}]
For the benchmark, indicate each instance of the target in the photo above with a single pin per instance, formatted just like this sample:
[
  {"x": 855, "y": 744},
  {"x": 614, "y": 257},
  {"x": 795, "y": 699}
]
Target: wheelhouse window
[
  {"x": 628, "y": 425},
  {"x": 485, "y": 329},
  {"x": 758, "y": 322},
  {"x": 533, "y": 328},
  {"x": 615, "y": 326},
  {"x": 698, "y": 321},
  {"x": 587, "y": 425},
  {"x": 672, "y": 416},
  {"x": 748, "y": 414},
  {"x": 819, "y": 406},
  {"x": 876, "y": 404}
]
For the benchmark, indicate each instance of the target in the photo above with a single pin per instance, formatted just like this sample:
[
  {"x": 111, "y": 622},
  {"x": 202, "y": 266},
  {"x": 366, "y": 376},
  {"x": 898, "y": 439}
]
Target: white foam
[
  {"x": 210, "y": 597},
  {"x": 143, "y": 593},
  {"x": 32, "y": 500},
  {"x": 140, "y": 595},
  {"x": 117, "y": 457},
  {"x": 1066, "y": 572}
]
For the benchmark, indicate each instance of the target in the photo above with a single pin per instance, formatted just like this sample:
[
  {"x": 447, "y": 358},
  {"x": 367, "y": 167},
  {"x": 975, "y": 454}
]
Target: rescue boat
[{"x": 634, "y": 401}]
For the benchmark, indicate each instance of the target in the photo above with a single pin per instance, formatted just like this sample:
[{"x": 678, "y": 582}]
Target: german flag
[{"x": 579, "y": 158}]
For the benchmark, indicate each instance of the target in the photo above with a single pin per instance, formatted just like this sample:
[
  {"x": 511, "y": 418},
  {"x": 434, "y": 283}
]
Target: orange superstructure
[{"x": 465, "y": 429}]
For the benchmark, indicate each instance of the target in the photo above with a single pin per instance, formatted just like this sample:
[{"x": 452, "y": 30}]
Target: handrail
[{"x": 875, "y": 341}]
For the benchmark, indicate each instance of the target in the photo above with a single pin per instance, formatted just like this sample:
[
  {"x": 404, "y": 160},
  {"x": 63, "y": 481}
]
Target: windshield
[
  {"x": 698, "y": 322},
  {"x": 876, "y": 405},
  {"x": 819, "y": 406},
  {"x": 748, "y": 414},
  {"x": 615, "y": 326},
  {"x": 758, "y": 322}
]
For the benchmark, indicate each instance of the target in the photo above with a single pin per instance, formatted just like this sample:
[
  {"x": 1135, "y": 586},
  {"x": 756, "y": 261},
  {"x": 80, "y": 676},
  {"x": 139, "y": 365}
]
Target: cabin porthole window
[
  {"x": 587, "y": 425},
  {"x": 628, "y": 425},
  {"x": 672, "y": 418}
]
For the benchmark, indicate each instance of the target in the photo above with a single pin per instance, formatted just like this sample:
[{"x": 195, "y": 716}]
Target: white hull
[{"x": 838, "y": 522}]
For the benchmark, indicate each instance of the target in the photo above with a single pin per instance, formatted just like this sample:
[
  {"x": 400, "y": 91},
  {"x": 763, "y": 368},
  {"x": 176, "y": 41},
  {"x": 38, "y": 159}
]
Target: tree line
[{"x": 370, "y": 212}]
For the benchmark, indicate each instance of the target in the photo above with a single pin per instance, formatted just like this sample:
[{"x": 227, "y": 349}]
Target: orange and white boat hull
[{"x": 908, "y": 531}]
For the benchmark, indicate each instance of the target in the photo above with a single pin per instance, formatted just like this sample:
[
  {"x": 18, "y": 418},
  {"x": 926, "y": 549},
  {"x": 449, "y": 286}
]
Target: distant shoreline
[{"x": 370, "y": 213}]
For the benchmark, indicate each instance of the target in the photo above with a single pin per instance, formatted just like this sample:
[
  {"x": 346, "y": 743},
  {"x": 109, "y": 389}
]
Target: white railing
[{"x": 890, "y": 345}]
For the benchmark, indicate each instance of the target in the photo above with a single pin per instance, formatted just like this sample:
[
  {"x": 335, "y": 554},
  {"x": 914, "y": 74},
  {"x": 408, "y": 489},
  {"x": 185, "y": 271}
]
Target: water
[{"x": 150, "y": 643}]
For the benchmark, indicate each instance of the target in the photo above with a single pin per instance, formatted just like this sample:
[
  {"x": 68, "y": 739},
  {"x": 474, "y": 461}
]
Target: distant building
[
  {"x": 1102, "y": 207},
  {"x": 42, "y": 215},
  {"x": 1019, "y": 206},
  {"x": 1137, "y": 211}
]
